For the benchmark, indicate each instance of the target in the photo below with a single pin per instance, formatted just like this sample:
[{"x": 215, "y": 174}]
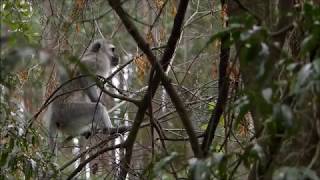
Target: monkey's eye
[
  {"x": 112, "y": 47},
  {"x": 96, "y": 47}
]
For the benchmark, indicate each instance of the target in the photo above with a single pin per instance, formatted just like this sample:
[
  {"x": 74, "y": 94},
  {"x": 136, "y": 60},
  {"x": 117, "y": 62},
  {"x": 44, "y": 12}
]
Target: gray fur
[{"x": 80, "y": 113}]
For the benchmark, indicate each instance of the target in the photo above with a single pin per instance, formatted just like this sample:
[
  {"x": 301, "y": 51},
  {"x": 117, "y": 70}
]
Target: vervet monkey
[{"x": 79, "y": 113}]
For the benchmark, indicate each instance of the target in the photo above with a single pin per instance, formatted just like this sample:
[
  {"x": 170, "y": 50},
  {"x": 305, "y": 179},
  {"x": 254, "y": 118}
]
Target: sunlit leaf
[
  {"x": 204, "y": 126},
  {"x": 211, "y": 106}
]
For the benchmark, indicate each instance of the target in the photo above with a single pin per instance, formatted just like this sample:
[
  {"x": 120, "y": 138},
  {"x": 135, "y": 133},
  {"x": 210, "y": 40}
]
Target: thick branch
[
  {"x": 165, "y": 60},
  {"x": 155, "y": 80},
  {"x": 222, "y": 98}
]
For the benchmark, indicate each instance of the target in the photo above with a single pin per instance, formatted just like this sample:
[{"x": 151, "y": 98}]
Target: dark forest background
[{"x": 210, "y": 89}]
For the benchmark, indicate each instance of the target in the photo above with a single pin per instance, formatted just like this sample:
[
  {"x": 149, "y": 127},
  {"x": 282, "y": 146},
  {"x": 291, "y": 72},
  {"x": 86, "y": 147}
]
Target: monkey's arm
[{"x": 92, "y": 92}]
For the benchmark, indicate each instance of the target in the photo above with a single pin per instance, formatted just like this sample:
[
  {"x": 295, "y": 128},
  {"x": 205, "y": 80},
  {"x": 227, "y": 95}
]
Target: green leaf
[
  {"x": 11, "y": 144},
  {"x": 257, "y": 151},
  {"x": 159, "y": 166},
  {"x": 262, "y": 57},
  {"x": 199, "y": 169},
  {"x": 204, "y": 126},
  {"x": 267, "y": 95},
  {"x": 254, "y": 32},
  {"x": 219, "y": 35},
  {"x": 309, "y": 43},
  {"x": 27, "y": 169},
  {"x": 4, "y": 157},
  {"x": 242, "y": 107},
  {"x": 211, "y": 106},
  {"x": 294, "y": 173},
  {"x": 316, "y": 65},
  {"x": 303, "y": 77},
  {"x": 249, "y": 53},
  {"x": 13, "y": 161},
  {"x": 283, "y": 115},
  {"x": 2, "y": 177}
]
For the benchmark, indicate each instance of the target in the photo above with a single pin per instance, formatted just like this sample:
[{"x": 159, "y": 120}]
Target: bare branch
[
  {"x": 223, "y": 95},
  {"x": 92, "y": 157},
  {"x": 155, "y": 80}
]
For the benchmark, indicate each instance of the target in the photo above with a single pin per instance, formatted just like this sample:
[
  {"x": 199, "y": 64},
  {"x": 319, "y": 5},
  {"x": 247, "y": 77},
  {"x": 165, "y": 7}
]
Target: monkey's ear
[{"x": 96, "y": 47}]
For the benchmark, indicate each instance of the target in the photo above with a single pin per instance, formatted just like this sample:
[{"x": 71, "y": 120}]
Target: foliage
[
  {"x": 271, "y": 111},
  {"x": 280, "y": 91},
  {"x": 21, "y": 154}
]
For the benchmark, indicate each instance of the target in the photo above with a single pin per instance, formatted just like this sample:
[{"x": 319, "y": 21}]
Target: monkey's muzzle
[{"x": 115, "y": 61}]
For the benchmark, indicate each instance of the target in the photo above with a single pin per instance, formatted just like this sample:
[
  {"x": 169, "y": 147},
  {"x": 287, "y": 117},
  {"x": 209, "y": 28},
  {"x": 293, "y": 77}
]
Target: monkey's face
[{"x": 103, "y": 46}]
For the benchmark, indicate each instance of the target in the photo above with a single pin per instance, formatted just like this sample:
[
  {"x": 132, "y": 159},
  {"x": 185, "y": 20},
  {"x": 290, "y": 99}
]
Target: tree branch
[
  {"x": 223, "y": 86},
  {"x": 155, "y": 80},
  {"x": 86, "y": 161}
]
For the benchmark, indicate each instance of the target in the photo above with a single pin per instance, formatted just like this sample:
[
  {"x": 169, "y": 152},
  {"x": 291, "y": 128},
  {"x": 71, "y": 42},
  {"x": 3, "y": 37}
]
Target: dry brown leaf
[
  {"x": 216, "y": 44},
  {"x": 77, "y": 27},
  {"x": 224, "y": 14},
  {"x": 243, "y": 131},
  {"x": 77, "y": 9},
  {"x": 142, "y": 66},
  {"x": 23, "y": 76},
  {"x": 162, "y": 33},
  {"x": 80, "y": 4},
  {"x": 214, "y": 71},
  {"x": 52, "y": 85},
  {"x": 244, "y": 128},
  {"x": 150, "y": 39},
  {"x": 233, "y": 72},
  {"x": 173, "y": 9},
  {"x": 159, "y": 4}
]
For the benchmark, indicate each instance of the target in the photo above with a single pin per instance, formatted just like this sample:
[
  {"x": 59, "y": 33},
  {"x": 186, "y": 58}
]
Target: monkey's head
[
  {"x": 105, "y": 47},
  {"x": 100, "y": 57}
]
